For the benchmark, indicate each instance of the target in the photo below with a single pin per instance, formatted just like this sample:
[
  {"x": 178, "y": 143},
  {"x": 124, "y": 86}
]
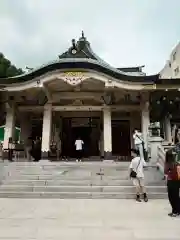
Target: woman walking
[{"x": 171, "y": 171}]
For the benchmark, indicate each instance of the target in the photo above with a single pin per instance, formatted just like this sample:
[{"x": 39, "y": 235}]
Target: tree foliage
[{"x": 7, "y": 69}]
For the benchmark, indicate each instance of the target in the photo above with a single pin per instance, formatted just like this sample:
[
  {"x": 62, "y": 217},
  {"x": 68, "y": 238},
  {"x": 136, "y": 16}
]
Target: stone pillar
[
  {"x": 46, "y": 131},
  {"x": 9, "y": 126},
  {"x": 167, "y": 129},
  {"x": 145, "y": 122},
  {"x": 107, "y": 134},
  {"x": 101, "y": 145},
  {"x": 131, "y": 132}
]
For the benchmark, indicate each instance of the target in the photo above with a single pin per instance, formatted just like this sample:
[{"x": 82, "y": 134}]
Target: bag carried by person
[
  {"x": 175, "y": 158},
  {"x": 178, "y": 171},
  {"x": 145, "y": 152},
  {"x": 133, "y": 174}
]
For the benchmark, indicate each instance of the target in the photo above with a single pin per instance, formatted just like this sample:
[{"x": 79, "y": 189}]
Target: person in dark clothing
[
  {"x": 28, "y": 148},
  {"x": 37, "y": 150},
  {"x": 10, "y": 149},
  {"x": 173, "y": 181}
]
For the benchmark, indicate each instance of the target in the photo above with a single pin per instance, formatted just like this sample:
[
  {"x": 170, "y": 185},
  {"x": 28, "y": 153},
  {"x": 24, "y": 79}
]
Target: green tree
[{"x": 7, "y": 69}]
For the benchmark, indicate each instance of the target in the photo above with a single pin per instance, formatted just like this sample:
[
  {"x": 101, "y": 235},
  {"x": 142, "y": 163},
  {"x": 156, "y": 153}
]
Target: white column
[
  {"x": 145, "y": 122},
  {"x": 10, "y": 126},
  {"x": 46, "y": 131},
  {"x": 167, "y": 129},
  {"x": 107, "y": 134},
  {"x": 101, "y": 144}
]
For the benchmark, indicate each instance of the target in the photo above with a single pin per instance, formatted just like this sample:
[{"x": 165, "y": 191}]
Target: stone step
[
  {"x": 74, "y": 173},
  {"x": 78, "y": 195},
  {"x": 75, "y": 189},
  {"x": 76, "y": 182},
  {"x": 61, "y": 169},
  {"x": 64, "y": 163},
  {"x": 56, "y": 170},
  {"x": 68, "y": 178},
  {"x": 113, "y": 173}
]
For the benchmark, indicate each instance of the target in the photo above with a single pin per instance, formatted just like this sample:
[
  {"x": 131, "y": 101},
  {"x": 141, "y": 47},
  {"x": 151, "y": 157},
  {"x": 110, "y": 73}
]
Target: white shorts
[{"x": 138, "y": 182}]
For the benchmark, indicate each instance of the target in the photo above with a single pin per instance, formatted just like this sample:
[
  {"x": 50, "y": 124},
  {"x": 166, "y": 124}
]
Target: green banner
[{"x": 17, "y": 133}]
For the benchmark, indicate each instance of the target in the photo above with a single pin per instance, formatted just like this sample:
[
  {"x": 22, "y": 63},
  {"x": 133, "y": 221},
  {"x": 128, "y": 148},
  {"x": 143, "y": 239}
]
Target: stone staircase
[{"x": 92, "y": 180}]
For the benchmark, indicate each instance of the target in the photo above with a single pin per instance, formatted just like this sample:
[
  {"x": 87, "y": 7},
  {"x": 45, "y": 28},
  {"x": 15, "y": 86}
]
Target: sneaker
[
  {"x": 77, "y": 160},
  {"x": 138, "y": 198},
  {"x": 173, "y": 214},
  {"x": 145, "y": 197}
]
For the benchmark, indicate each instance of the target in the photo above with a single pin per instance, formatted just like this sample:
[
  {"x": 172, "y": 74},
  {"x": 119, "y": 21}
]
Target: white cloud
[{"x": 123, "y": 32}]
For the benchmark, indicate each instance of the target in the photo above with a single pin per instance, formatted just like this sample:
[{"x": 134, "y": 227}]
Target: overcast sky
[{"x": 123, "y": 32}]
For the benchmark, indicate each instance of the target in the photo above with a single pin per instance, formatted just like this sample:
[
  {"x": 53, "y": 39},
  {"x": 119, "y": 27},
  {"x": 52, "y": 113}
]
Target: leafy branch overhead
[{"x": 7, "y": 69}]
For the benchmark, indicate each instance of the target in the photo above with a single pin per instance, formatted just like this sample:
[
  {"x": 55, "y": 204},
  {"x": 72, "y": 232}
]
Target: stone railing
[
  {"x": 161, "y": 152},
  {"x": 166, "y": 146},
  {"x": 161, "y": 159}
]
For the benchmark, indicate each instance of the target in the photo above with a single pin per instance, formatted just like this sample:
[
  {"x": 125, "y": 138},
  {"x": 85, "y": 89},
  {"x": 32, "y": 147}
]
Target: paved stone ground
[{"x": 50, "y": 219}]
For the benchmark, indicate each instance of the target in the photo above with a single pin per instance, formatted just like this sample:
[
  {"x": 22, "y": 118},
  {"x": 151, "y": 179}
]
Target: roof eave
[{"x": 87, "y": 63}]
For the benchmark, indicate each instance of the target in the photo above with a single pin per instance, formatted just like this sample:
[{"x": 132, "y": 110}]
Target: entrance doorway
[
  {"x": 86, "y": 129},
  {"x": 85, "y": 134},
  {"x": 121, "y": 144},
  {"x": 36, "y": 126}
]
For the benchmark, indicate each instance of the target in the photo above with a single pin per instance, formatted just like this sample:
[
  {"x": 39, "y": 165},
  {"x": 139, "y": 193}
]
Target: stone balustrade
[{"x": 160, "y": 158}]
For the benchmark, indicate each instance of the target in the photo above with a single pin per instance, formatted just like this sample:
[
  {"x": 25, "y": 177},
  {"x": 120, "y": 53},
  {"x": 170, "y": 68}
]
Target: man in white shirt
[
  {"x": 79, "y": 148},
  {"x": 138, "y": 142},
  {"x": 137, "y": 165}
]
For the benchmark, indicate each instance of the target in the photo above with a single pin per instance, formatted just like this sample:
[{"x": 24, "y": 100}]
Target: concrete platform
[{"x": 55, "y": 219}]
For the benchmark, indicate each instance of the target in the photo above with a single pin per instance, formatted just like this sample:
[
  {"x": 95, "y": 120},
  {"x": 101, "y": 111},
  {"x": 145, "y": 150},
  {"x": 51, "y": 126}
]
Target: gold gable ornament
[
  {"x": 77, "y": 102},
  {"x": 73, "y": 78}
]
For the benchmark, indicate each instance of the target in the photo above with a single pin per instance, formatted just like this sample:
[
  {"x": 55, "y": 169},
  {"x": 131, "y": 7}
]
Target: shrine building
[{"x": 80, "y": 95}]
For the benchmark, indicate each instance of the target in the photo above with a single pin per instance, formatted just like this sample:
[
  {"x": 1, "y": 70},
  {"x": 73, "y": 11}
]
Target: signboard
[
  {"x": 84, "y": 122},
  {"x": 80, "y": 122}
]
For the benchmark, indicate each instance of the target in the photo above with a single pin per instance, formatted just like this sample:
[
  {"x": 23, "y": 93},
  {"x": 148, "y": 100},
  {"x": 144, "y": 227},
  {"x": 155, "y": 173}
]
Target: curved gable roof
[
  {"x": 85, "y": 64},
  {"x": 81, "y": 56}
]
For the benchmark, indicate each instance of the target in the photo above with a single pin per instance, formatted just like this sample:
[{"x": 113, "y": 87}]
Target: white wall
[{"x": 172, "y": 63}]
